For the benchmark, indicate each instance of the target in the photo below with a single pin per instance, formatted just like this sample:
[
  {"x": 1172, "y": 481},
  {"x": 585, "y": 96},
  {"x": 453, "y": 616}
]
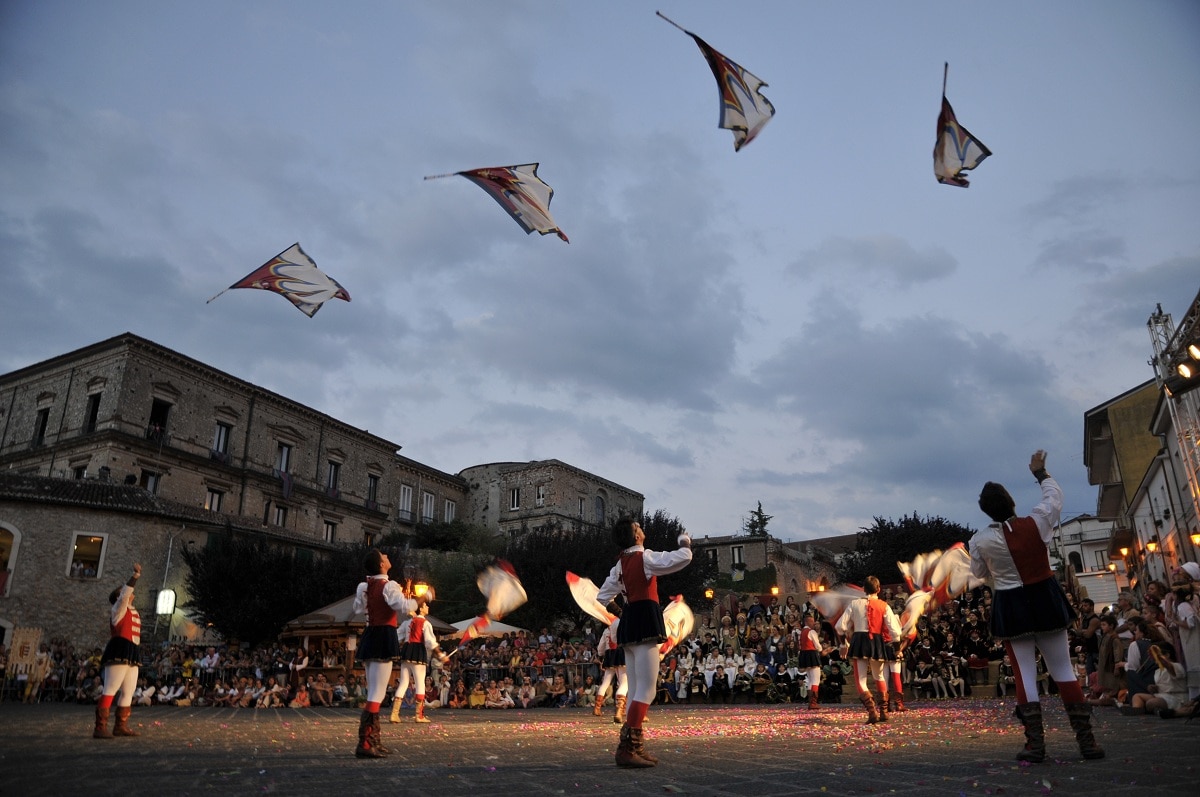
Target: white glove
[{"x": 683, "y": 541}]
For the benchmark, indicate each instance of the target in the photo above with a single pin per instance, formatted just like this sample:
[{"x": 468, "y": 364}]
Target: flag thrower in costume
[
  {"x": 499, "y": 584},
  {"x": 744, "y": 109},
  {"x": 519, "y": 191},
  {"x": 294, "y": 275},
  {"x": 956, "y": 150},
  {"x": 679, "y": 620},
  {"x": 584, "y": 591}
]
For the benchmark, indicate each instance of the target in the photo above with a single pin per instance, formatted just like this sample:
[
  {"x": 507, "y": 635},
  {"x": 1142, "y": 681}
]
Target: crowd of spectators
[{"x": 743, "y": 651}]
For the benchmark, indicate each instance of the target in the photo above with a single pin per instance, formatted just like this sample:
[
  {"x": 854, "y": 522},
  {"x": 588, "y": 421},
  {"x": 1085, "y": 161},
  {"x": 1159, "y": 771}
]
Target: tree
[
  {"x": 542, "y": 557},
  {"x": 756, "y": 526},
  {"x": 886, "y": 542},
  {"x": 249, "y": 589},
  {"x": 456, "y": 535}
]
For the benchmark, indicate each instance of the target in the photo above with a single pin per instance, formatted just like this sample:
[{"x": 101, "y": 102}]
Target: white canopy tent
[{"x": 494, "y": 628}]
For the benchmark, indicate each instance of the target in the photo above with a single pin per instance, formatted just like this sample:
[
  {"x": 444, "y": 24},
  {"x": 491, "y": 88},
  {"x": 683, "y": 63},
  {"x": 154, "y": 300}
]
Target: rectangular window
[
  {"x": 372, "y": 487},
  {"x": 427, "y": 507},
  {"x": 87, "y": 556},
  {"x": 330, "y": 531},
  {"x": 279, "y": 515},
  {"x": 448, "y": 510},
  {"x": 1102, "y": 560},
  {"x": 80, "y": 471},
  {"x": 160, "y": 411},
  {"x": 220, "y": 443},
  {"x": 736, "y": 554},
  {"x": 582, "y": 505},
  {"x": 93, "y": 413},
  {"x": 212, "y": 501},
  {"x": 283, "y": 458},
  {"x": 331, "y": 475},
  {"x": 149, "y": 481},
  {"x": 514, "y": 498},
  {"x": 404, "y": 509},
  {"x": 39, "y": 430},
  {"x": 711, "y": 553},
  {"x": 540, "y": 496}
]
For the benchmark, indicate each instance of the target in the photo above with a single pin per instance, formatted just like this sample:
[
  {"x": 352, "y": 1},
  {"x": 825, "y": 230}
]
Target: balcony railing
[{"x": 219, "y": 456}]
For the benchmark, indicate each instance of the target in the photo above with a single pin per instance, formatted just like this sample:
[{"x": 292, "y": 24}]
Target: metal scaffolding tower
[{"x": 1170, "y": 348}]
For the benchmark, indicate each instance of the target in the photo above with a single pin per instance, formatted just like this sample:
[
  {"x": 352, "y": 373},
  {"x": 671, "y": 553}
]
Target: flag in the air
[
  {"x": 294, "y": 275},
  {"x": 519, "y": 191},
  {"x": 956, "y": 150},
  {"x": 744, "y": 109}
]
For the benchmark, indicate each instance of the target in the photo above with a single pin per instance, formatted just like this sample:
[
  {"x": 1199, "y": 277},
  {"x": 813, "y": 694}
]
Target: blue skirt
[
  {"x": 120, "y": 650},
  {"x": 379, "y": 643},
  {"x": 865, "y": 646},
  {"x": 414, "y": 653},
  {"x": 1030, "y": 609},
  {"x": 642, "y": 623}
]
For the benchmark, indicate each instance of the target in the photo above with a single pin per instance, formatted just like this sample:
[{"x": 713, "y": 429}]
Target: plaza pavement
[{"x": 954, "y": 748}]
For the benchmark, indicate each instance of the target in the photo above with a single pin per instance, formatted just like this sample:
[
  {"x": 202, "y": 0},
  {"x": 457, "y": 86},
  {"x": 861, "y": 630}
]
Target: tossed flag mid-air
[
  {"x": 744, "y": 109},
  {"x": 294, "y": 275},
  {"x": 956, "y": 150},
  {"x": 679, "y": 621},
  {"x": 499, "y": 584},
  {"x": 519, "y": 191},
  {"x": 584, "y": 591},
  {"x": 934, "y": 579}
]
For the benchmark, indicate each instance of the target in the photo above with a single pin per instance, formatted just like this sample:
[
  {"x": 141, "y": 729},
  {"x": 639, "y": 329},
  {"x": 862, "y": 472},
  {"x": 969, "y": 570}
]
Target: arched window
[
  {"x": 600, "y": 516},
  {"x": 10, "y": 543},
  {"x": 1076, "y": 561}
]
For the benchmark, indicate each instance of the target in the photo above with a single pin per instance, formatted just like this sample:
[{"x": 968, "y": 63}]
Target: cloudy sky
[{"x": 812, "y": 322}]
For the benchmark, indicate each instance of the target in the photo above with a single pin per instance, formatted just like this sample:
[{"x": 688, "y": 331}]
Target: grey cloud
[{"x": 885, "y": 256}]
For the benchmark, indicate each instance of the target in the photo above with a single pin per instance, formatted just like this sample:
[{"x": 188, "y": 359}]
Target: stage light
[
  {"x": 166, "y": 602},
  {"x": 1193, "y": 350},
  {"x": 1187, "y": 369},
  {"x": 1175, "y": 386}
]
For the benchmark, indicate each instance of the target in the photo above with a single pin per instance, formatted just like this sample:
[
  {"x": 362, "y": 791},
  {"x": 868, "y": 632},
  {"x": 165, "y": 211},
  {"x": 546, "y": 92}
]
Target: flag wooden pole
[
  {"x": 945, "y": 75},
  {"x": 673, "y": 22},
  {"x": 216, "y": 296},
  {"x": 439, "y": 176}
]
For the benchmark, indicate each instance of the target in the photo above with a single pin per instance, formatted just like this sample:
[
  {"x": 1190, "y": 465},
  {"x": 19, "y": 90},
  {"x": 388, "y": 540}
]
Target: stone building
[
  {"x": 125, "y": 450},
  {"x": 515, "y": 496},
  {"x": 799, "y": 571},
  {"x": 69, "y": 542},
  {"x": 129, "y": 410}
]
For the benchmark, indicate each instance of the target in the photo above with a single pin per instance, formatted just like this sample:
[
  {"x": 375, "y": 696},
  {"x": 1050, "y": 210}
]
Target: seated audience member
[
  {"x": 526, "y": 695},
  {"x": 168, "y": 695},
  {"x": 341, "y": 692},
  {"x": 557, "y": 694},
  {"x": 761, "y": 682},
  {"x": 272, "y": 696},
  {"x": 301, "y": 699},
  {"x": 719, "y": 691},
  {"x": 477, "y": 698},
  {"x": 321, "y": 691},
  {"x": 144, "y": 694},
  {"x": 922, "y": 680},
  {"x": 1168, "y": 693},
  {"x": 1006, "y": 679},
  {"x": 459, "y": 696},
  {"x": 743, "y": 685},
  {"x": 494, "y": 698},
  {"x": 953, "y": 676}
]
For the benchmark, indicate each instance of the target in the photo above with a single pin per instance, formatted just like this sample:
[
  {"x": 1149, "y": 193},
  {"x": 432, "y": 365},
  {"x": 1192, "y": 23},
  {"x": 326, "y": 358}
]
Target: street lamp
[{"x": 775, "y": 591}]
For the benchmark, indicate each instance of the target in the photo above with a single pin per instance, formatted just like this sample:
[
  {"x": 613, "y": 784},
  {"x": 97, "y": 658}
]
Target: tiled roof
[{"x": 101, "y": 495}]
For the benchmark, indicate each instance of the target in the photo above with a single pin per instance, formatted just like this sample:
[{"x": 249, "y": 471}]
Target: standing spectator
[
  {"x": 862, "y": 624},
  {"x": 383, "y": 601},
  {"x": 1184, "y": 619},
  {"x": 1030, "y": 610},
  {"x": 120, "y": 660},
  {"x": 37, "y": 674},
  {"x": 208, "y": 667},
  {"x": 1085, "y": 634},
  {"x": 642, "y": 629}
]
